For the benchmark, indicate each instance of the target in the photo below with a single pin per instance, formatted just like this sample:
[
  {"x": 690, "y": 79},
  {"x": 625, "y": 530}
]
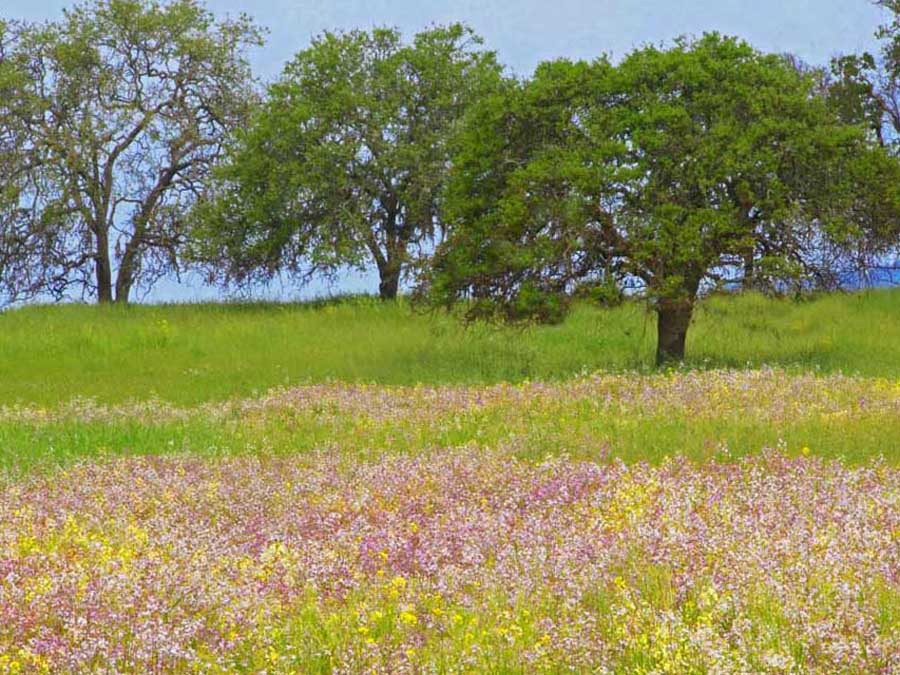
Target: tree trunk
[
  {"x": 673, "y": 319},
  {"x": 749, "y": 282},
  {"x": 103, "y": 269},
  {"x": 123, "y": 290},
  {"x": 389, "y": 284},
  {"x": 124, "y": 280}
]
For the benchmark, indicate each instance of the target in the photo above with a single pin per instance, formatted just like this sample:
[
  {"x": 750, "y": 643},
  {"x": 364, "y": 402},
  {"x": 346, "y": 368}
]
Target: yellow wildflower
[{"x": 408, "y": 618}]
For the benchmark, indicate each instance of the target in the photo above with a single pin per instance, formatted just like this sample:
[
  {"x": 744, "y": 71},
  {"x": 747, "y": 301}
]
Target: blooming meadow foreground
[{"x": 466, "y": 529}]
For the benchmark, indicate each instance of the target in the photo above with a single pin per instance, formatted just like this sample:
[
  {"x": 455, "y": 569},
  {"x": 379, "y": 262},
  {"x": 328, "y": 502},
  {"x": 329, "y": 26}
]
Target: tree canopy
[
  {"x": 25, "y": 263},
  {"x": 345, "y": 163},
  {"x": 674, "y": 169},
  {"x": 133, "y": 141},
  {"x": 119, "y": 110},
  {"x": 866, "y": 87}
]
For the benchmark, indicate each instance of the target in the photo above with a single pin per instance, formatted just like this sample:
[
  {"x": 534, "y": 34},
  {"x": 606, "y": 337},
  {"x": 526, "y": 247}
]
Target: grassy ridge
[{"x": 193, "y": 353}]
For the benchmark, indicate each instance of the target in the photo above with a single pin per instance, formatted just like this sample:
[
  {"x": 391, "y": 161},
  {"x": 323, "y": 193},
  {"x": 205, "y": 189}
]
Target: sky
[{"x": 524, "y": 33}]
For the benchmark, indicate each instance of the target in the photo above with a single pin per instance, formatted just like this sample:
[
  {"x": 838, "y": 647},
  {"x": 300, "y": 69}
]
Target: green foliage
[
  {"x": 345, "y": 163},
  {"x": 864, "y": 90},
  {"x": 20, "y": 269},
  {"x": 675, "y": 168},
  {"x": 853, "y": 95},
  {"x": 122, "y": 110}
]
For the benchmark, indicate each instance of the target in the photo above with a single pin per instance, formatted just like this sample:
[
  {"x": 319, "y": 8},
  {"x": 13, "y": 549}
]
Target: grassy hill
[{"x": 188, "y": 354}]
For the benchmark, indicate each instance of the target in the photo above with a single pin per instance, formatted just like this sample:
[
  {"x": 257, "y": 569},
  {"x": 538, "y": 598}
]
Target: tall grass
[{"x": 192, "y": 353}]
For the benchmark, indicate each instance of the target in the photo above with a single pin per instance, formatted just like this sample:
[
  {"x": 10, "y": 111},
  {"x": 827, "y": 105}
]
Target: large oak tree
[
  {"x": 129, "y": 103},
  {"x": 345, "y": 164},
  {"x": 668, "y": 172}
]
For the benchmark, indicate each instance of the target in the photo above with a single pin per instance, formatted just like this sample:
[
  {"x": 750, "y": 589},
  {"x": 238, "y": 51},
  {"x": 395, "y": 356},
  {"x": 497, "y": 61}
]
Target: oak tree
[
  {"x": 129, "y": 104},
  {"x": 345, "y": 164},
  {"x": 669, "y": 172}
]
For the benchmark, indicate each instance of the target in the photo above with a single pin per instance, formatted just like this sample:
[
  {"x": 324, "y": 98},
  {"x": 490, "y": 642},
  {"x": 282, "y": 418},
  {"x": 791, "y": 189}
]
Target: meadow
[
  {"x": 187, "y": 354},
  {"x": 349, "y": 486}
]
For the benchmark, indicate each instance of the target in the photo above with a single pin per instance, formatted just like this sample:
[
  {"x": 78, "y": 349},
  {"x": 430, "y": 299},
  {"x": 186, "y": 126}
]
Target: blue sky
[{"x": 526, "y": 32}]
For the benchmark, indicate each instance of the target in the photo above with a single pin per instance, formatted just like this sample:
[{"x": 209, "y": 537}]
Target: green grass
[
  {"x": 192, "y": 353},
  {"x": 585, "y": 436},
  {"x": 631, "y": 418},
  {"x": 183, "y": 361}
]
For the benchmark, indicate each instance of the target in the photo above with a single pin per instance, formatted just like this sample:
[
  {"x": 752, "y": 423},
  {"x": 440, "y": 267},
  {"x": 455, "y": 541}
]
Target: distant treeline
[{"x": 135, "y": 142}]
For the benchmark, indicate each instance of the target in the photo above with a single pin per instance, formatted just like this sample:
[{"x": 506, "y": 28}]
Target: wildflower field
[
  {"x": 719, "y": 521},
  {"x": 167, "y": 508}
]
